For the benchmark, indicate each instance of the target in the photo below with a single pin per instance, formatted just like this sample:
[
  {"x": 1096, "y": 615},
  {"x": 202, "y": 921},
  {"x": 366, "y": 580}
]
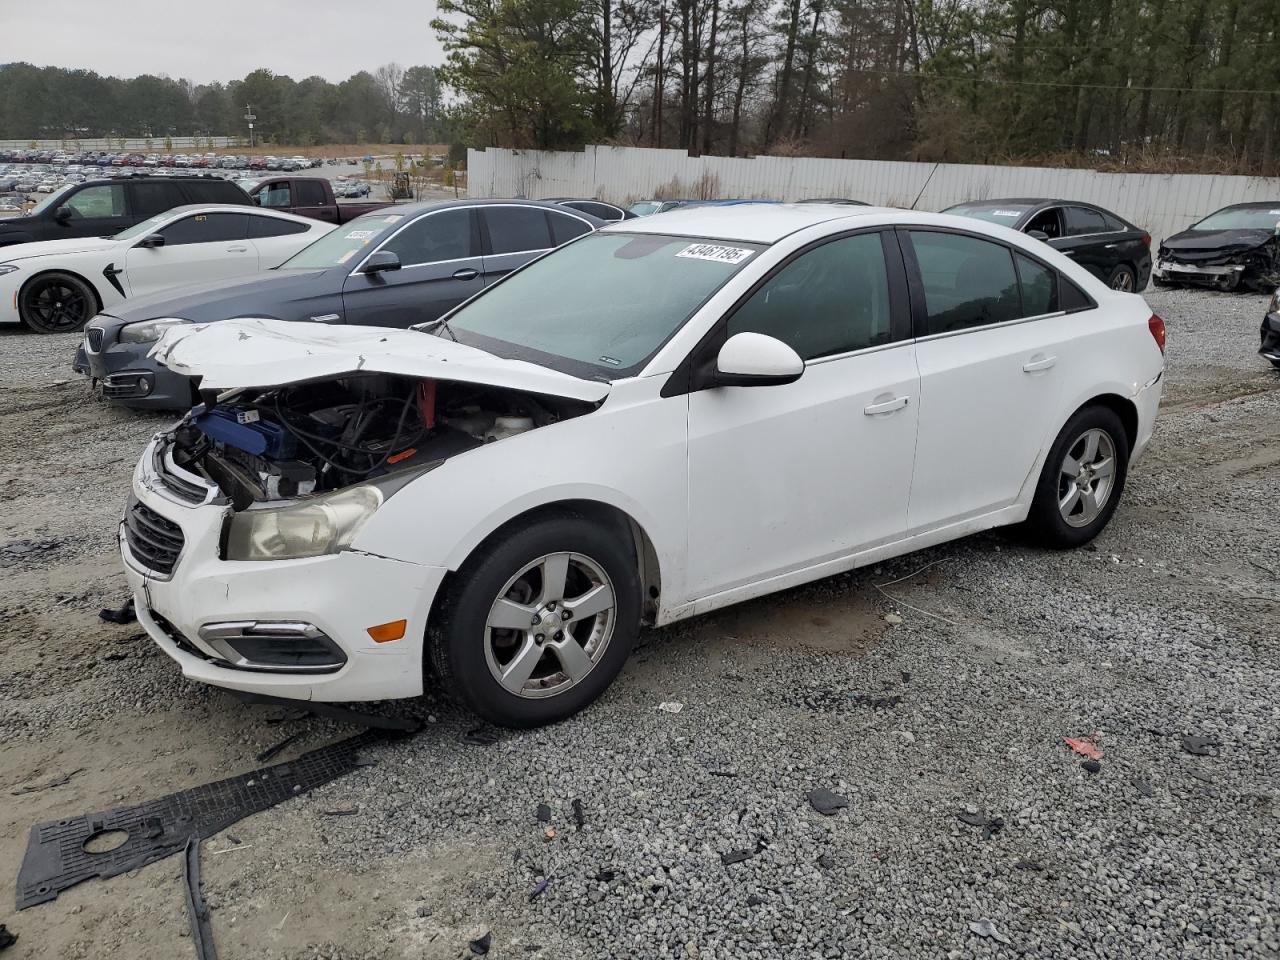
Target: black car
[
  {"x": 392, "y": 267},
  {"x": 607, "y": 212},
  {"x": 1270, "y": 349},
  {"x": 1237, "y": 245},
  {"x": 1108, "y": 246},
  {"x": 100, "y": 209}
]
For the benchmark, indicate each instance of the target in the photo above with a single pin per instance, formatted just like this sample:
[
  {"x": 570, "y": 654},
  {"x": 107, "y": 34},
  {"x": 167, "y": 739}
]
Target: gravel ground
[{"x": 946, "y": 693}]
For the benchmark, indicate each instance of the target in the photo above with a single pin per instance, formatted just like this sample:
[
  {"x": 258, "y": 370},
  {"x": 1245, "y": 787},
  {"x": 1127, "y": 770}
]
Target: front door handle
[
  {"x": 1038, "y": 363},
  {"x": 885, "y": 406},
  {"x": 236, "y": 249},
  {"x": 466, "y": 273}
]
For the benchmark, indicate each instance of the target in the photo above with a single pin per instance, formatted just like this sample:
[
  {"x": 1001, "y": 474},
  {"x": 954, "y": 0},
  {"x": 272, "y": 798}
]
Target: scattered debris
[
  {"x": 579, "y": 815},
  {"x": 197, "y": 909},
  {"x": 723, "y": 773},
  {"x": 836, "y": 700},
  {"x": 115, "y": 656},
  {"x": 160, "y": 828},
  {"x": 270, "y": 752},
  {"x": 1144, "y": 787},
  {"x": 1200, "y": 746},
  {"x": 481, "y": 946},
  {"x": 737, "y": 856},
  {"x": 7, "y": 939},
  {"x": 826, "y": 802},
  {"x": 334, "y": 712},
  {"x": 990, "y": 825},
  {"x": 671, "y": 706},
  {"x": 543, "y": 813},
  {"x": 549, "y": 833},
  {"x": 826, "y": 861},
  {"x": 21, "y": 549},
  {"x": 349, "y": 811},
  {"x": 422, "y": 911},
  {"x": 1085, "y": 746},
  {"x": 539, "y": 889},
  {"x": 481, "y": 737},
  {"x": 1031, "y": 865},
  {"x": 289, "y": 716},
  {"x": 892, "y": 619},
  {"x": 1091, "y": 766},
  {"x": 122, "y": 614},
  {"x": 906, "y": 676},
  {"x": 1204, "y": 776},
  {"x": 754, "y": 900},
  {"x": 605, "y": 876},
  {"x": 49, "y": 784},
  {"x": 985, "y": 928}
]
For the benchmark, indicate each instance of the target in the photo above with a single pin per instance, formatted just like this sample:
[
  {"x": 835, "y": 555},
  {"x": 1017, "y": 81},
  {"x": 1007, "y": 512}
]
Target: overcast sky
[{"x": 222, "y": 40}]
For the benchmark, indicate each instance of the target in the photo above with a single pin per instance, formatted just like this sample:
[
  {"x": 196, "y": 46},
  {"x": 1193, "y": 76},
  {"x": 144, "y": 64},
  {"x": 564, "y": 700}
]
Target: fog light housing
[{"x": 280, "y": 647}]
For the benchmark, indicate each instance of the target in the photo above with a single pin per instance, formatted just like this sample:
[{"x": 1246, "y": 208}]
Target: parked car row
[{"x": 102, "y": 158}]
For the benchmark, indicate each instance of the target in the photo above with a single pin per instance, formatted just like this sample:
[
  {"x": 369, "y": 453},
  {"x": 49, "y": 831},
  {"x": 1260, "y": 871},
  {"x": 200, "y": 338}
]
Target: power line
[{"x": 1054, "y": 83}]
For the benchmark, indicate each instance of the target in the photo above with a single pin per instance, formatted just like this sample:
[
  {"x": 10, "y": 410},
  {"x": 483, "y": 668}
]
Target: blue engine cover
[{"x": 262, "y": 438}]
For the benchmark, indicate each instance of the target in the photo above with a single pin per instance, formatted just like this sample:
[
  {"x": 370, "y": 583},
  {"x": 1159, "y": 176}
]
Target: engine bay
[{"x": 301, "y": 439}]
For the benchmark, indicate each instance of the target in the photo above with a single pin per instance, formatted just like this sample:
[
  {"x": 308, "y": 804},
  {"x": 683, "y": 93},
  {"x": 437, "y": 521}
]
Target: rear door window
[
  {"x": 1048, "y": 222},
  {"x": 310, "y": 193},
  {"x": 968, "y": 282},
  {"x": 514, "y": 229},
  {"x": 261, "y": 226},
  {"x": 1082, "y": 221},
  {"x": 152, "y": 198},
  {"x": 564, "y": 228},
  {"x": 207, "y": 228}
]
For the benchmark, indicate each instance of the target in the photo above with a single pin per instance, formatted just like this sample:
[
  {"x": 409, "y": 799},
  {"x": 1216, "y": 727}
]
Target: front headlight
[
  {"x": 148, "y": 331},
  {"x": 7, "y": 268},
  {"x": 312, "y": 528}
]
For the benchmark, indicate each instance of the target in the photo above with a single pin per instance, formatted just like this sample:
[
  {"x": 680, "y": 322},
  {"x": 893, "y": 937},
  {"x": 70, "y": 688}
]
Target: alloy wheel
[
  {"x": 1086, "y": 477},
  {"x": 1122, "y": 281},
  {"x": 550, "y": 625},
  {"x": 56, "y": 306}
]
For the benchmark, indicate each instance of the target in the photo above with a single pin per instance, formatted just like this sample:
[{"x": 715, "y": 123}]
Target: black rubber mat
[{"x": 56, "y": 858}]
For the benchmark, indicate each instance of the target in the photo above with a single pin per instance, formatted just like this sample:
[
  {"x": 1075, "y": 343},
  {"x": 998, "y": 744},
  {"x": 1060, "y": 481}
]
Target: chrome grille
[
  {"x": 93, "y": 339},
  {"x": 154, "y": 541}
]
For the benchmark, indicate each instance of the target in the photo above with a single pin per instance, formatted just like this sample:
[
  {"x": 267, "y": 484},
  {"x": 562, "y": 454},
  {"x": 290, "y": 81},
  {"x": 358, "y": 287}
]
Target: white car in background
[
  {"x": 55, "y": 286},
  {"x": 656, "y": 420}
]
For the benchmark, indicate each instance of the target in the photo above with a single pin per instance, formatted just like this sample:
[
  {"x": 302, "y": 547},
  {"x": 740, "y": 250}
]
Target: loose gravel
[{"x": 691, "y": 833}]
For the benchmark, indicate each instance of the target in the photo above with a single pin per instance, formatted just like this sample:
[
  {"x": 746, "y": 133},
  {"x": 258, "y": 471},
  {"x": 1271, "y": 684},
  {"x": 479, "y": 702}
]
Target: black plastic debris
[
  {"x": 1091, "y": 766},
  {"x": 56, "y": 859},
  {"x": 122, "y": 614},
  {"x": 481, "y": 737},
  {"x": 605, "y": 876},
  {"x": 754, "y": 900},
  {"x": 197, "y": 909},
  {"x": 826, "y": 861},
  {"x": 481, "y": 946},
  {"x": 540, "y": 889},
  {"x": 990, "y": 825},
  {"x": 723, "y": 773},
  {"x": 1029, "y": 865},
  {"x": 58, "y": 781},
  {"x": 1200, "y": 746},
  {"x": 21, "y": 549},
  {"x": 737, "y": 856},
  {"x": 7, "y": 939},
  {"x": 543, "y": 813},
  {"x": 826, "y": 802},
  {"x": 906, "y": 676},
  {"x": 1144, "y": 787},
  {"x": 270, "y": 752},
  {"x": 356, "y": 718},
  {"x": 579, "y": 815},
  {"x": 350, "y": 811}
]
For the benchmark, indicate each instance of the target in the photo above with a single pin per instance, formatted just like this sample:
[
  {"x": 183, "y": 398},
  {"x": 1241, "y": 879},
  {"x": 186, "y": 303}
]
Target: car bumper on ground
[
  {"x": 1270, "y": 347},
  {"x": 126, "y": 375},
  {"x": 1221, "y": 274},
  {"x": 234, "y": 624}
]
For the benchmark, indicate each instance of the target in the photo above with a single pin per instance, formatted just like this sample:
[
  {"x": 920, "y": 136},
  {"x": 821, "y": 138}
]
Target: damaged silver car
[{"x": 1238, "y": 246}]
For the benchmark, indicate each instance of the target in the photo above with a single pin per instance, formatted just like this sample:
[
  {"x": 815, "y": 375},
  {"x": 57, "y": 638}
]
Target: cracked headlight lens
[
  {"x": 310, "y": 528},
  {"x": 147, "y": 331}
]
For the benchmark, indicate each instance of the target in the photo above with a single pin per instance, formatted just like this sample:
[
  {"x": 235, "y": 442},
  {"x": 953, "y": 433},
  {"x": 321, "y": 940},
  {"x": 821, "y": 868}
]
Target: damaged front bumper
[
  {"x": 1217, "y": 275},
  {"x": 1270, "y": 347},
  {"x": 285, "y": 628}
]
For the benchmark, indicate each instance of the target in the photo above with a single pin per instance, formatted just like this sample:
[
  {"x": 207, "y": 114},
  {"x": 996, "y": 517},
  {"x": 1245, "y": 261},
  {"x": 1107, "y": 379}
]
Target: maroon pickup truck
[{"x": 308, "y": 197}]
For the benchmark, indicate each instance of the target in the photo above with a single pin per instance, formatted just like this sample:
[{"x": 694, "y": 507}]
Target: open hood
[
  {"x": 246, "y": 353},
  {"x": 62, "y": 248}
]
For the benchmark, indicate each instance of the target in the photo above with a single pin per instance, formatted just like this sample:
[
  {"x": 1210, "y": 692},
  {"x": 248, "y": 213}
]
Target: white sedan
[
  {"x": 654, "y": 421},
  {"x": 55, "y": 286}
]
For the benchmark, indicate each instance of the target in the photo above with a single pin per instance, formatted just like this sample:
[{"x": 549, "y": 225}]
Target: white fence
[
  {"x": 1160, "y": 203},
  {"x": 149, "y": 145}
]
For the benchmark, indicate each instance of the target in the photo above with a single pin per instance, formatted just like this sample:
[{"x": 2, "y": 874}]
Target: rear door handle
[
  {"x": 1039, "y": 362},
  {"x": 466, "y": 273},
  {"x": 885, "y": 406}
]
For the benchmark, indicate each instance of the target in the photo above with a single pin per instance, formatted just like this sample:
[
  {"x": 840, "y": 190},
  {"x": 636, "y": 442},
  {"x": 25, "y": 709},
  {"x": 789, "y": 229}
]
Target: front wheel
[
  {"x": 56, "y": 303},
  {"x": 1082, "y": 480},
  {"x": 537, "y": 624}
]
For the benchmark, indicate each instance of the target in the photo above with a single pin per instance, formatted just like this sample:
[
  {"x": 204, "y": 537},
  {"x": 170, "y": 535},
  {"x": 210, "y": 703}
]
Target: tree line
[
  {"x": 390, "y": 105},
  {"x": 1134, "y": 84}
]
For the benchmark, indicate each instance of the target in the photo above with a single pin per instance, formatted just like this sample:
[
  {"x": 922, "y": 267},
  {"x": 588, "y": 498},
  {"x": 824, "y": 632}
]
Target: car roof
[
  {"x": 1252, "y": 205},
  {"x": 750, "y": 222},
  {"x": 240, "y": 208},
  {"x": 413, "y": 209}
]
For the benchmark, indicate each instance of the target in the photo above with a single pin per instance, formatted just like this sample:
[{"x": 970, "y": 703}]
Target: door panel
[
  {"x": 198, "y": 249},
  {"x": 1088, "y": 241},
  {"x": 99, "y": 210}
]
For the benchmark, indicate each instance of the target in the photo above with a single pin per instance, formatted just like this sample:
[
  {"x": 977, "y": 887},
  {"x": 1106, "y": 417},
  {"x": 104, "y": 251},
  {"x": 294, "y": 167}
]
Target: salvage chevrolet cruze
[{"x": 656, "y": 420}]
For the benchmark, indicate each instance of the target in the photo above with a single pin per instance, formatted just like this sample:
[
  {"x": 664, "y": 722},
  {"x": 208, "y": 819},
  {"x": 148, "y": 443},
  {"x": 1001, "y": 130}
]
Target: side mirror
[
  {"x": 755, "y": 360},
  {"x": 62, "y": 215},
  {"x": 152, "y": 240},
  {"x": 381, "y": 261},
  {"x": 1038, "y": 235}
]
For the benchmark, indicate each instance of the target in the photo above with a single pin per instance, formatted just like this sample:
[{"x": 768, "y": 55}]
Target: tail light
[
  {"x": 1156, "y": 326},
  {"x": 1146, "y": 240}
]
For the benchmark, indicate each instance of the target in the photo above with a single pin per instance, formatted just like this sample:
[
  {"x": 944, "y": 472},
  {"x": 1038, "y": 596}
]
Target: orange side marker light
[{"x": 386, "y": 632}]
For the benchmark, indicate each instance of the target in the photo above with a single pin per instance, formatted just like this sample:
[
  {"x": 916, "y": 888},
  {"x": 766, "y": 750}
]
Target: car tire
[
  {"x": 56, "y": 303},
  {"x": 515, "y": 576},
  {"x": 1062, "y": 514},
  {"x": 1123, "y": 279}
]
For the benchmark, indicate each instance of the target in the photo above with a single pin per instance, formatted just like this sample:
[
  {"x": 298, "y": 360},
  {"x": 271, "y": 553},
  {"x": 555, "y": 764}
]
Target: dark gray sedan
[{"x": 393, "y": 267}]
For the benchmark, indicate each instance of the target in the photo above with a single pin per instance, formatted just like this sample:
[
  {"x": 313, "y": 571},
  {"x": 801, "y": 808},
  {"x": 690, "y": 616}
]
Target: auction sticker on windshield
[
  {"x": 360, "y": 235},
  {"x": 711, "y": 251},
  {"x": 1006, "y": 213}
]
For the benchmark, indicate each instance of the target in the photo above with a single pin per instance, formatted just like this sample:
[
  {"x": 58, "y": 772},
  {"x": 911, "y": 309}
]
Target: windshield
[
  {"x": 600, "y": 306},
  {"x": 1006, "y": 214},
  {"x": 51, "y": 199},
  {"x": 645, "y": 207},
  {"x": 344, "y": 245},
  {"x": 1242, "y": 218}
]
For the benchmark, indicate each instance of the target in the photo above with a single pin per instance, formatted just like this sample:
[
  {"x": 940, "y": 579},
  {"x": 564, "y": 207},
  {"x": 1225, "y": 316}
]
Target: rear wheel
[
  {"x": 56, "y": 303},
  {"x": 538, "y": 623},
  {"x": 1082, "y": 480},
  {"x": 1123, "y": 279}
]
